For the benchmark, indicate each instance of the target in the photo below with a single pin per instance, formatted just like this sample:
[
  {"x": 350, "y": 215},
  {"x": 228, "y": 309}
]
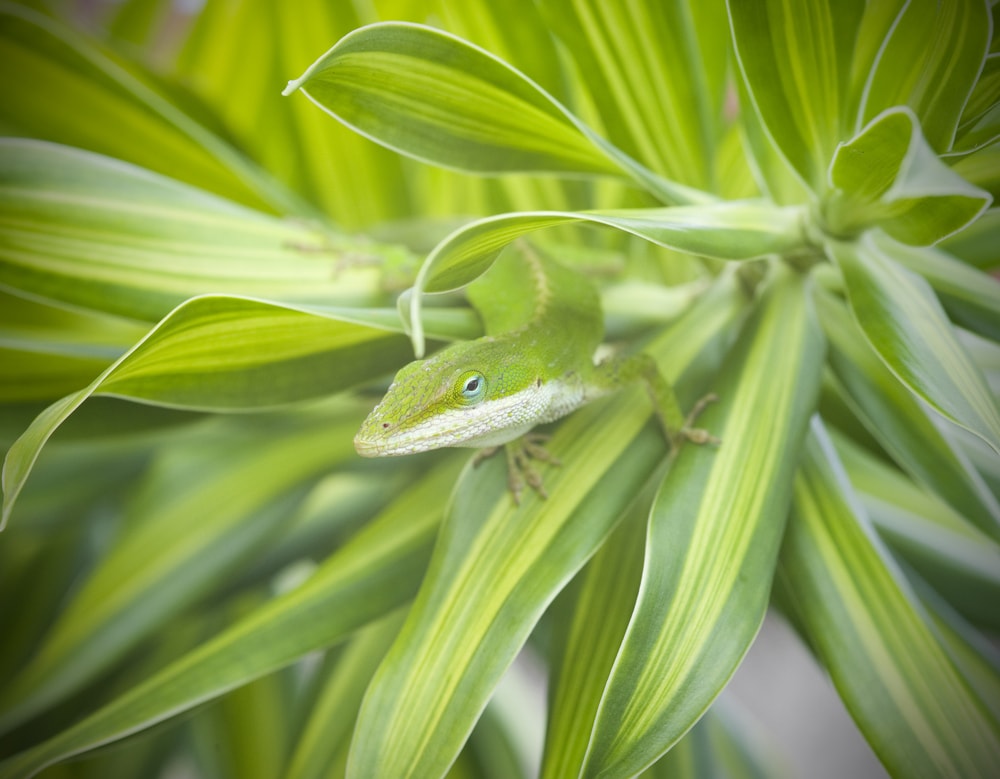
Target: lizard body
[{"x": 535, "y": 364}]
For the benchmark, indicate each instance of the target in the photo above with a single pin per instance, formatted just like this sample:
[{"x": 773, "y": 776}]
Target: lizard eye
[{"x": 473, "y": 386}]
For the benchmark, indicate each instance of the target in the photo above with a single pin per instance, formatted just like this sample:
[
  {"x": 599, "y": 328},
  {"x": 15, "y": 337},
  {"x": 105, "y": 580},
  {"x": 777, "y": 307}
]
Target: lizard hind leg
[{"x": 642, "y": 368}]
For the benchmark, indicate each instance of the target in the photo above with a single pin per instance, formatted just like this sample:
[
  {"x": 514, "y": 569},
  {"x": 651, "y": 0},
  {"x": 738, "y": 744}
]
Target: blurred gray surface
[{"x": 796, "y": 705}]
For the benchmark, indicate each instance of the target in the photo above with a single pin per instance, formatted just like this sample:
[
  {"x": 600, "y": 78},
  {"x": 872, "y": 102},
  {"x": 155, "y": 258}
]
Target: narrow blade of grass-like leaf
[
  {"x": 591, "y": 615},
  {"x": 70, "y": 90},
  {"x": 906, "y": 326},
  {"x": 375, "y": 572},
  {"x": 970, "y": 297},
  {"x": 930, "y": 62},
  {"x": 713, "y": 538},
  {"x": 437, "y": 98},
  {"x": 900, "y": 684},
  {"x": 726, "y": 231},
  {"x": 657, "y": 92},
  {"x": 795, "y": 62},
  {"x": 99, "y": 233},
  {"x": 901, "y": 424},
  {"x": 721, "y": 745},
  {"x": 228, "y": 354},
  {"x": 239, "y": 487},
  {"x": 958, "y": 560},
  {"x": 326, "y": 731},
  {"x": 496, "y": 566}
]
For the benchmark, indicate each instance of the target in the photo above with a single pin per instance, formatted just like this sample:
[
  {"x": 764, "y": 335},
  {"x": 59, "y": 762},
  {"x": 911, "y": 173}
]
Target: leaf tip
[{"x": 292, "y": 86}]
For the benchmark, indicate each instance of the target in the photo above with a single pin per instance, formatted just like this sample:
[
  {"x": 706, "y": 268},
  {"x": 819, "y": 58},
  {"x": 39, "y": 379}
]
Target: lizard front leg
[{"x": 520, "y": 471}]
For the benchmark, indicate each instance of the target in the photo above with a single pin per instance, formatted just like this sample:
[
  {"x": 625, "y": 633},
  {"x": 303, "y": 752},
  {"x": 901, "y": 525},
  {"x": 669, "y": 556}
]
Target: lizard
[{"x": 535, "y": 364}]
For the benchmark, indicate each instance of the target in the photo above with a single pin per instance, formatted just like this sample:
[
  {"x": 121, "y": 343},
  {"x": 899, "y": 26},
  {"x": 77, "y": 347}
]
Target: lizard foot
[
  {"x": 697, "y": 435},
  {"x": 520, "y": 471}
]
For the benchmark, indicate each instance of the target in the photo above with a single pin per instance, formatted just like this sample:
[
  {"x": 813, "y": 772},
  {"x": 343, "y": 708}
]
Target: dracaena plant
[{"x": 786, "y": 204}]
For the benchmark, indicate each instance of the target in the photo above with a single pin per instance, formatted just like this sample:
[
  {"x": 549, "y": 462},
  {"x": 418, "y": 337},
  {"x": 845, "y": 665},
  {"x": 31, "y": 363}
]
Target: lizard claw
[
  {"x": 697, "y": 435},
  {"x": 520, "y": 471}
]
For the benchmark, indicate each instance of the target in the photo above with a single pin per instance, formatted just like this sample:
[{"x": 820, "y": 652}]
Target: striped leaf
[
  {"x": 930, "y": 61},
  {"x": 728, "y": 231},
  {"x": 906, "y": 326},
  {"x": 93, "y": 100},
  {"x": 795, "y": 62},
  {"x": 901, "y": 685},
  {"x": 437, "y": 98},
  {"x": 239, "y": 490},
  {"x": 901, "y": 424},
  {"x": 496, "y": 566},
  {"x": 655, "y": 73},
  {"x": 714, "y": 533},
  {"x": 229, "y": 354},
  {"x": 372, "y": 574},
  {"x": 95, "y": 232}
]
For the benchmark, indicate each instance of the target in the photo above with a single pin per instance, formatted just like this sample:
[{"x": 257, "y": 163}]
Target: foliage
[{"x": 198, "y": 281}]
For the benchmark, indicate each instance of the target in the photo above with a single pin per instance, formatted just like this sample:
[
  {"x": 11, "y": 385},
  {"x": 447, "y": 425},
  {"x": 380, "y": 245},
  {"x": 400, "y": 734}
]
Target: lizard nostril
[{"x": 385, "y": 425}]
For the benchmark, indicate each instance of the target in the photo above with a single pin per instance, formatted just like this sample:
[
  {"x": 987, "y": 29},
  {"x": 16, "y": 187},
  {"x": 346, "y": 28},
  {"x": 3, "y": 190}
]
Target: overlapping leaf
[
  {"x": 434, "y": 97},
  {"x": 95, "y": 232},
  {"x": 916, "y": 707},
  {"x": 228, "y": 354},
  {"x": 729, "y": 231},
  {"x": 371, "y": 575},
  {"x": 239, "y": 490},
  {"x": 714, "y": 533},
  {"x": 72, "y": 91},
  {"x": 497, "y": 566},
  {"x": 906, "y": 326},
  {"x": 799, "y": 91}
]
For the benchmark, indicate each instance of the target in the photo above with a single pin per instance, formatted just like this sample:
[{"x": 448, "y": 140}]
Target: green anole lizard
[{"x": 535, "y": 364}]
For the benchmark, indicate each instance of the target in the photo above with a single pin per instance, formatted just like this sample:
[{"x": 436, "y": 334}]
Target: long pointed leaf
[
  {"x": 795, "y": 62},
  {"x": 374, "y": 573},
  {"x": 907, "y": 695},
  {"x": 96, "y": 232},
  {"x": 238, "y": 490},
  {"x": 906, "y": 326},
  {"x": 714, "y": 533},
  {"x": 497, "y": 566},
  {"x": 435, "y": 97},
  {"x": 227, "y": 353},
  {"x": 729, "y": 231}
]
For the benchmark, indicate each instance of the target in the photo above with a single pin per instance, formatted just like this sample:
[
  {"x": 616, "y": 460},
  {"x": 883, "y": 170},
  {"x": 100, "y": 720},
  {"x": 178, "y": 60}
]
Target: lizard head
[{"x": 459, "y": 397}]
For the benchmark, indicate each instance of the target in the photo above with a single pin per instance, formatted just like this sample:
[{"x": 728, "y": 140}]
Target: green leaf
[
  {"x": 496, "y": 566},
  {"x": 229, "y": 354},
  {"x": 976, "y": 244},
  {"x": 795, "y": 62},
  {"x": 900, "y": 684},
  {"x": 971, "y": 298},
  {"x": 96, "y": 232},
  {"x": 658, "y": 93},
  {"x": 906, "y": 326},
  {"x": 372, "y": 574},
  {"x": 723, "y": 744},
  {"x": 332, "y": 166},
  {"x": 959, "y": 561},
  {"x": 72, "y": 91},
  {"x": 326, "y": 732},
  {"x": 930, "y": 62},
  {"x": 591, "y": 617},
  {"x": 888, "y": 176},
  {"x": 727, "y": 231},
  {"x": 981, "y": 168},
  {"x": 900, "y": 423},
  {"x": 239, "y": 487},
  {"x": 437, "y": 98},
  {"x": 713, "y": 539}
]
